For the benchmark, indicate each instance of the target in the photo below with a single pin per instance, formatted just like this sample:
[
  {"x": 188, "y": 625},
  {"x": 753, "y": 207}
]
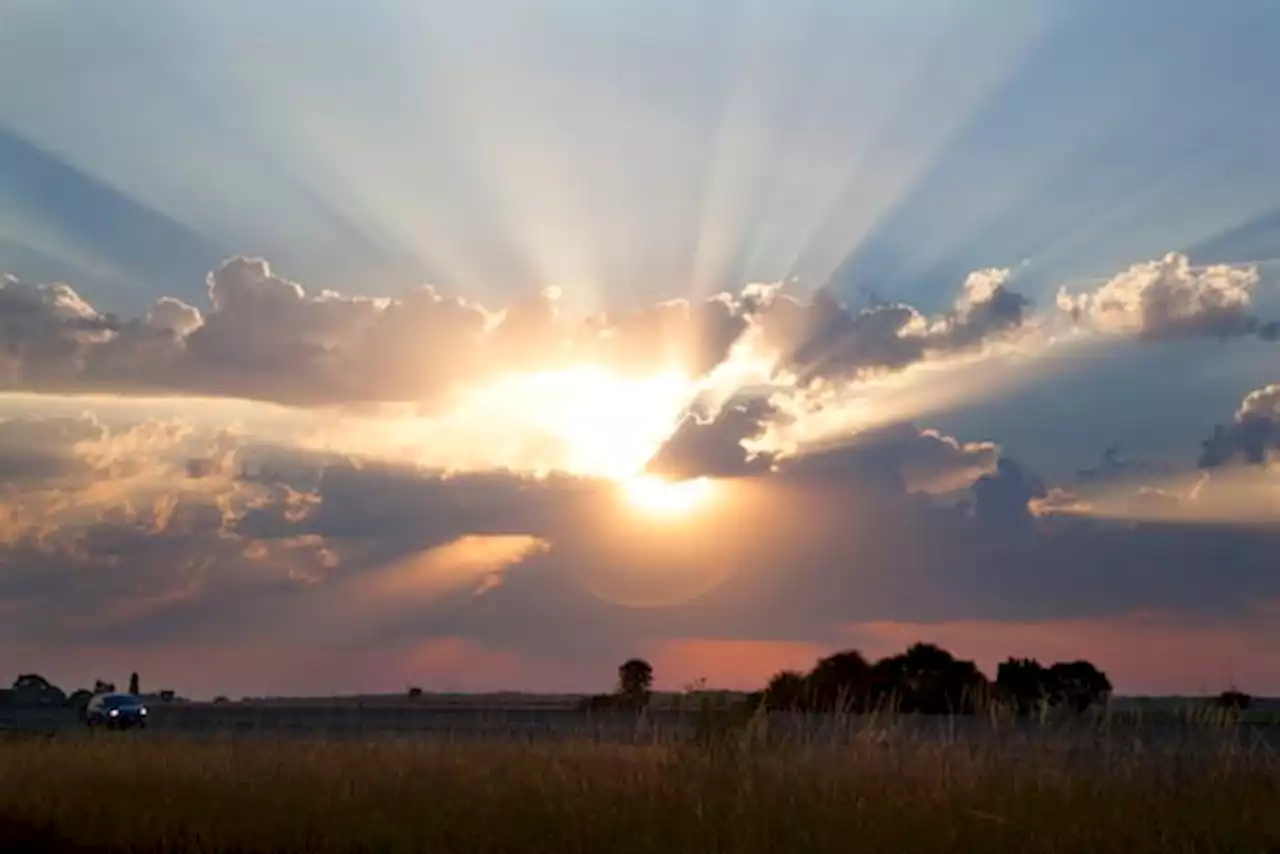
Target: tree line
[
  {"x": 924, "y": 679},
  {"x": 927, "y": 679},
  {"x": 33, "y": 690}
]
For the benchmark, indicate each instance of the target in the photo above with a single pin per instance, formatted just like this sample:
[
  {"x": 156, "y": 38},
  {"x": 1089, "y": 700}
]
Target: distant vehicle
[{"x": 116, "y": 711}]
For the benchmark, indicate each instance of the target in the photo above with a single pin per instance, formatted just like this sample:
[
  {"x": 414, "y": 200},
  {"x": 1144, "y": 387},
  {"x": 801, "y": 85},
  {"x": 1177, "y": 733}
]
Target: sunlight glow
[
  {"x": 583, "y": 420},
  {"x": 656, "y": 496},
  {"x": 599, "y": 424}
]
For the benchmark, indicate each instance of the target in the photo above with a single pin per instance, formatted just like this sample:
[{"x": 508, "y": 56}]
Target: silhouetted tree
[
  {"x": 32, "y": 689},
  {"x": 415, "y": 693},
  {"x": 134, "y": 687},
  {"x": 79, "y": 699},
  {"x": 635, "y": 678},
  {"x": 787, "y": 691},
  {"x": 1234, "y": 700},
  {"x": 167, "y": 695},
  {"x": 1078, "y": 685},
  {"x": 100, "y": 687},
  {"x": 927, "y": 679},
  {"x": 1024, "y": 683},
  {"x": 840, "y": 682}
]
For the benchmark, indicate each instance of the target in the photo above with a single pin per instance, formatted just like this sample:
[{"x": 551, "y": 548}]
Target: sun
[{"x": 656, "y": 496}]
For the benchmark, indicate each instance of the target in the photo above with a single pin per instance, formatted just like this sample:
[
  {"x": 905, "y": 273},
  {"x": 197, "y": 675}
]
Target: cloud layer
[{"x": 479, "y": 512}]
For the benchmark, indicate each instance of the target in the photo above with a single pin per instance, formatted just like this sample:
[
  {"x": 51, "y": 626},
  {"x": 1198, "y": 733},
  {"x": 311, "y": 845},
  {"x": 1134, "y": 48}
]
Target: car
[{"x": 116, "y": 711}]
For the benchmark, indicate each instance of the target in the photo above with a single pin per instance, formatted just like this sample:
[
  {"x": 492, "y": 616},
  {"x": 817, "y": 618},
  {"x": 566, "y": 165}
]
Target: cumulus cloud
[
  {"x": 823, "y": 339},
  {"x": 174, "y": 316},
  {"x": 711, "y": 445},
  {"x": 264, "y": 337},
  {"x": 721, "y": 445},
  {"x": 1170, "y": 298},
  {"x": 1254, "y": 435}
]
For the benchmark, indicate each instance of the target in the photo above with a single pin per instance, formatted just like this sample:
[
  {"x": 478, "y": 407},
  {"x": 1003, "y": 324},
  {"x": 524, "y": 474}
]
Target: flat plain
[{"x": 258, "y": 778}]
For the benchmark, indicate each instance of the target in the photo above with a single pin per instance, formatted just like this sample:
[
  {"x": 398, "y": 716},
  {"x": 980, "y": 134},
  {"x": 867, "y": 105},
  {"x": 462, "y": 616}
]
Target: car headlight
[
  {"x": 142, "y": 711},
  {"x": 115, "y": 713}
]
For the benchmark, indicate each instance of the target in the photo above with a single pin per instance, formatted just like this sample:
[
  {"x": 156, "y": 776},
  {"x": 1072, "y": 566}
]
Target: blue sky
[
  {"x": 629, "y": 150},
  {"x": 559, "y": 171}
]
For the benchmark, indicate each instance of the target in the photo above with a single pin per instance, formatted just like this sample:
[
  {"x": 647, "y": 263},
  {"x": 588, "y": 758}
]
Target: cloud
[
  {"x": 356, "y": 557},
  {"x": 474, "y": 562},
  {"x": 934, "y": 463},
  {"x": 1232, "y": 484},
  {"x": 711, "y": 445},
  {"x": 1171, "y": 299},
  {"x": 1253, "y": 437},
  {"x": 823, "y": 340},
  {"x": 264, "y": 337},
  {"x": 502, "y": 475},
  {"x": 727, "y": 445}
]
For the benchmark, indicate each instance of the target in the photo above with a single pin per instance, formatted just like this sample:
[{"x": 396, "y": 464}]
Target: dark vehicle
[{"x": 116, "y": 711}]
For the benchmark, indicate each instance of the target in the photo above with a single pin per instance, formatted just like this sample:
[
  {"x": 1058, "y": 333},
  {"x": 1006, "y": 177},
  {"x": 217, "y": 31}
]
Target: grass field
[{"x": 723, "y": 794}]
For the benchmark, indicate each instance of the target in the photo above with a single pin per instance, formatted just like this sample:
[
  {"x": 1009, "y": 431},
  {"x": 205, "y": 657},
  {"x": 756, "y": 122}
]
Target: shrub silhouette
[
  {"x": 1234, "y": 700},
  {"x": 787, "y": 691}
]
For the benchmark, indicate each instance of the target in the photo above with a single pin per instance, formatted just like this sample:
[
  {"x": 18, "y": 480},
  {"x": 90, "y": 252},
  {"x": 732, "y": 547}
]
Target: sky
[{"x": 349, "y": 346}]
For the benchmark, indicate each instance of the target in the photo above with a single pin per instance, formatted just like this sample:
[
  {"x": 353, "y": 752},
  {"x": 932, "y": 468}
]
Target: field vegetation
[
  {"x": 918, "y": 752},
  {"x": 730, "y": 788}
]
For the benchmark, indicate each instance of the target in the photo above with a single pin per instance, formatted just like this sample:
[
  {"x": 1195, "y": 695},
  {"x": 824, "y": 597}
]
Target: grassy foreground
[{"x": 147, "y": 795}]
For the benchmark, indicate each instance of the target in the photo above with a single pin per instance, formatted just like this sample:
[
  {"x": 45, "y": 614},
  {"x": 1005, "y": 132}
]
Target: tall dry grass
[{"x": 881, "y": 792}]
